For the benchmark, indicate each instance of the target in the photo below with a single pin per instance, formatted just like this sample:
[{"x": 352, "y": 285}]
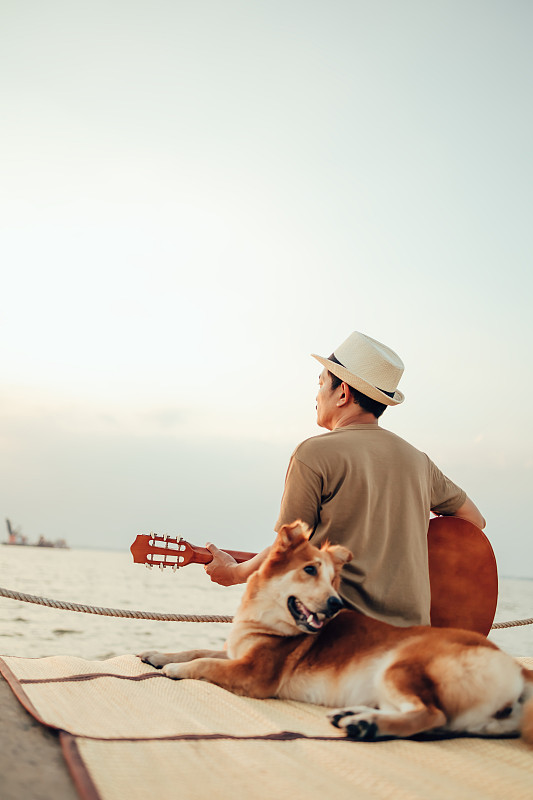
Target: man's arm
[
  {"x": 223, "y": 569},
  {"x": 471, "y": 513}
]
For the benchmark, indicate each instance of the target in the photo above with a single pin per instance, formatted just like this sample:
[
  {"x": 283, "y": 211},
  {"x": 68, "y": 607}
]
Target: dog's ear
[
  {"x": 340, "y": 555},
  {"x": 290, "y": 535}
]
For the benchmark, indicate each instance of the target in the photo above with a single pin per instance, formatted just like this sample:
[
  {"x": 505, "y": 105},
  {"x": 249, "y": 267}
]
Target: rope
[
  {"x": 125, "y": 612},
  {"x": 112, "y": 612},
  {"x": 513, "y": 623}
]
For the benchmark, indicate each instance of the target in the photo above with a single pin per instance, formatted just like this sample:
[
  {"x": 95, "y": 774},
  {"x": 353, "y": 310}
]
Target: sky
[{"x": 196, "y": 196}]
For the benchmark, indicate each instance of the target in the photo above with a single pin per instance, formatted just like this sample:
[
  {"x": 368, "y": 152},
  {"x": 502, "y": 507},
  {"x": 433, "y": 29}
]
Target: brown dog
[{"x": 289, "y": 639}]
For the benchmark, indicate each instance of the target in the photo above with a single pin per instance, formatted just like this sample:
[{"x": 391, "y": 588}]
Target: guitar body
[{"x": 463, "y": 575}]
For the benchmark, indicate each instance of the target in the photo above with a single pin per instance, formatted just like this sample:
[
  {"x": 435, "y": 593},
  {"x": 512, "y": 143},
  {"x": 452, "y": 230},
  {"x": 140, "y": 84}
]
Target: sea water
[{"x": 110, "y": 579}]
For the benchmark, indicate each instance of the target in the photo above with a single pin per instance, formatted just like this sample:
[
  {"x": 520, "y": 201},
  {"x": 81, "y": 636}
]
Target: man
[{"x": 366, "y": 488}]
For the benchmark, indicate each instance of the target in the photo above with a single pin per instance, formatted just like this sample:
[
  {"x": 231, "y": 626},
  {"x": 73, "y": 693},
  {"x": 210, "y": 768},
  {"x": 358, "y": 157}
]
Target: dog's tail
[{"x": 527, "y": 718}]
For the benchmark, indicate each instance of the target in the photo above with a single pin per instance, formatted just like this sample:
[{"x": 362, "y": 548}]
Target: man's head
[{"x": 362, "y": 371}]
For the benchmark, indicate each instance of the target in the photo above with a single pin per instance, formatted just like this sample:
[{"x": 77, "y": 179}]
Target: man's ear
[
  {"x": 290, "y": 535},
  {"x": 346, "y": 396}
]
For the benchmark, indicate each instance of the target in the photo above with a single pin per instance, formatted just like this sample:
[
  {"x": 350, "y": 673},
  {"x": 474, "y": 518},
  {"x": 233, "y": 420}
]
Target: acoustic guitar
[{"x": 462, "y": 570}]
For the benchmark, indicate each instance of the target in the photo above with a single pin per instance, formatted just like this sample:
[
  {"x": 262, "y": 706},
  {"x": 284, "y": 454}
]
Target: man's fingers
[{"x": 221, "y": 567}]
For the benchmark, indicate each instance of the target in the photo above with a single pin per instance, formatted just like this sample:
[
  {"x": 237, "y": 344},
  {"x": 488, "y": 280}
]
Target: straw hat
[{"x": 368, "y": 366}]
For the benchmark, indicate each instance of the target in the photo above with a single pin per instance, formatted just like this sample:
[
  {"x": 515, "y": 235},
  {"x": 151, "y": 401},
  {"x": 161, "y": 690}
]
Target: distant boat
[{"x": 17, "y": 539}]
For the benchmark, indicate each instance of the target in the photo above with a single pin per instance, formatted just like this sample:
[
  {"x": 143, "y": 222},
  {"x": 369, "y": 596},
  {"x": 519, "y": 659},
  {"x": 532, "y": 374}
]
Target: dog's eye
[{"x": 310, "y": 569}]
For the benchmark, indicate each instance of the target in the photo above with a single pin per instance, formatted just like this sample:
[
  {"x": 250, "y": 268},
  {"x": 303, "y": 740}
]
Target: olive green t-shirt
[{"x": 366, "y": 488}]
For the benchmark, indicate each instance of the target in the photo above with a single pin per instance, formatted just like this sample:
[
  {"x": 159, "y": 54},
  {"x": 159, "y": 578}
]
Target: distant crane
[{"x": 15, "y": 536}]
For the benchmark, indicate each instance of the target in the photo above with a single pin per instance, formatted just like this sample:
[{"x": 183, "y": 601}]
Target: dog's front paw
[
  {"x": 358, "y": 723},
  {"x": 154, "y": 658},
  {"x": 175, "y": 671}
]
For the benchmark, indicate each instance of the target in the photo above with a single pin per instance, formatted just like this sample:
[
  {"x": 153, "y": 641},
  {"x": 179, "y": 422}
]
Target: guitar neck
[{"x": 204, "y": 556}]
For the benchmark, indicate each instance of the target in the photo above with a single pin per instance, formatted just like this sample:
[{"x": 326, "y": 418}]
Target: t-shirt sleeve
[
  {"x": 301, "y": 496},
  {"x": 446, "y": 496}
]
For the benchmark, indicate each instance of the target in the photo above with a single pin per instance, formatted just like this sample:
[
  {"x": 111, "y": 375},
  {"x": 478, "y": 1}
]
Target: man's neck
[{"x": 354, "y": 416}]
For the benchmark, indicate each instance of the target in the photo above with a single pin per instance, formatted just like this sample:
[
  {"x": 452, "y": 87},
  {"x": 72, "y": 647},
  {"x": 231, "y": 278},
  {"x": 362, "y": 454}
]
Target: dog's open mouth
[{"x": 304, "y": 617}]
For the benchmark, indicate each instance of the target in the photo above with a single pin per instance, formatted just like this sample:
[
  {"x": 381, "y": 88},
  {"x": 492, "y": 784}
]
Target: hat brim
[{"x": 358, "y": 383}]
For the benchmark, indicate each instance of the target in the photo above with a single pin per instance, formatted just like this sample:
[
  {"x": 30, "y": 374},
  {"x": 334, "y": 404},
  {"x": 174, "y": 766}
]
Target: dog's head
[{"x": 299, "y": 582}]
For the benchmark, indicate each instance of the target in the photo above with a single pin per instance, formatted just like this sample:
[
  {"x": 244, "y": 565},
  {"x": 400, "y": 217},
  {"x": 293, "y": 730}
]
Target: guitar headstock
[{"x": 166, "y": 551}]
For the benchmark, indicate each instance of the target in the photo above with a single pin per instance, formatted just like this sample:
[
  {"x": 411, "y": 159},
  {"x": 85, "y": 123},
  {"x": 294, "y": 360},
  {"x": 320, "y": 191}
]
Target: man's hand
[{"x": 223, "y": 568}]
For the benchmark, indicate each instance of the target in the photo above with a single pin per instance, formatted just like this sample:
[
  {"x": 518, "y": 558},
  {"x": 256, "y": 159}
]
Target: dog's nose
[{"x": 334, "y": 604}]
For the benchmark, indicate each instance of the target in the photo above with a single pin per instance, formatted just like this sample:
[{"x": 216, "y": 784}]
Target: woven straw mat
[{"x": 127, "y": 731}]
